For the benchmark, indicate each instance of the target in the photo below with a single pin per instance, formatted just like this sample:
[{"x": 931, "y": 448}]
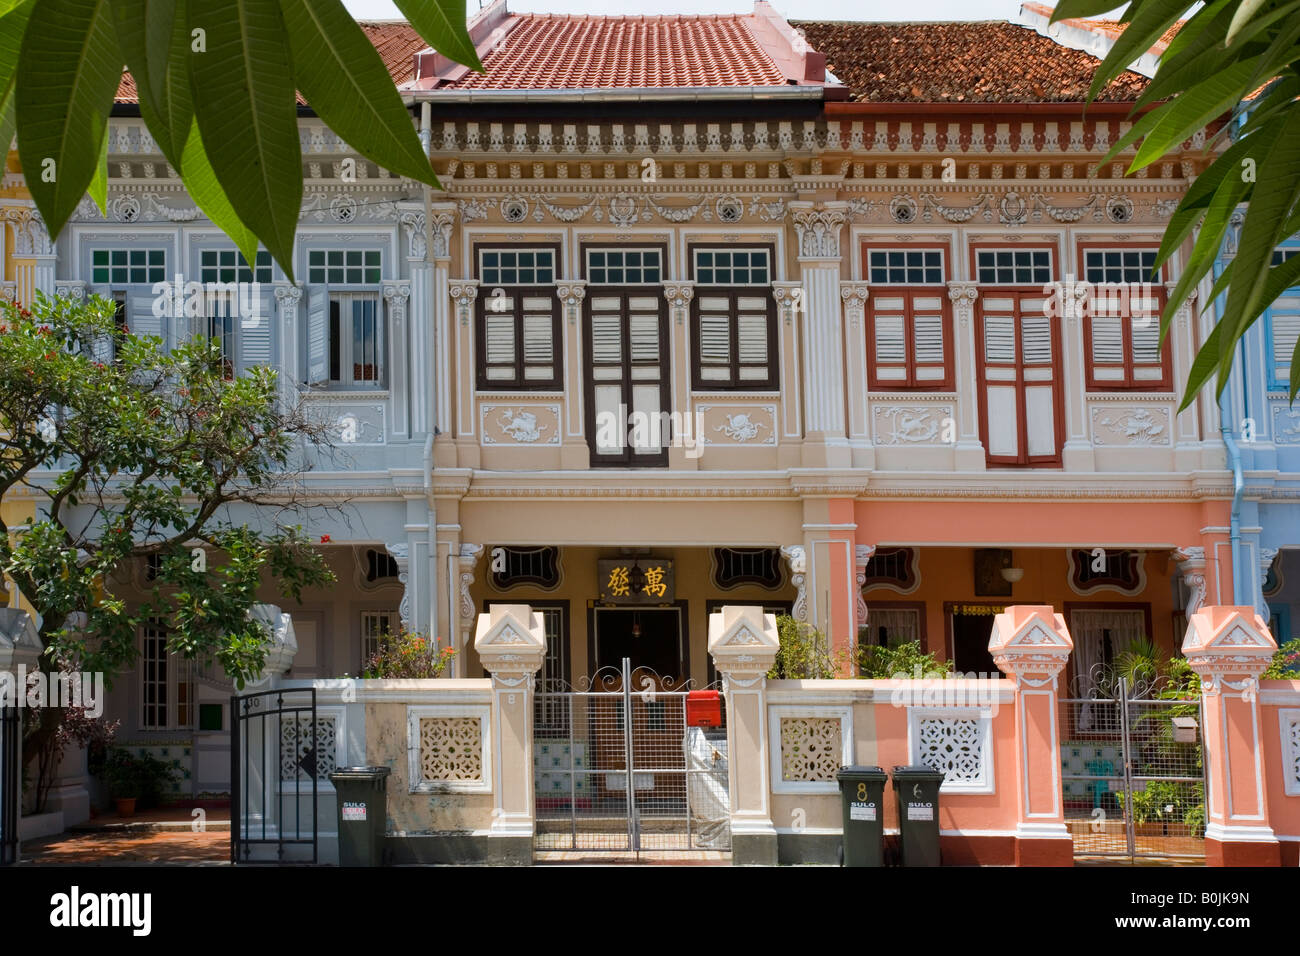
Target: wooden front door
[{"x": 1022, "y": 421}]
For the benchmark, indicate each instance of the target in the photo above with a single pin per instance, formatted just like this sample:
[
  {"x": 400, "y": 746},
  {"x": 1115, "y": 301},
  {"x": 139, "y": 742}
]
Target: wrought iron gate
[
  {"x": 1133, "y": 773},
  {"x": 11, "y": 791},
  {"x": 274, "y": 799},
  {"x": 586, "y": 740}
]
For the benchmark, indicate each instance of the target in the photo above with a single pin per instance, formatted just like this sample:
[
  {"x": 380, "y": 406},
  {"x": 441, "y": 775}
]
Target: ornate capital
[
  {"x": 855, "y": 296},
  {"x": 789, "y": 298},
  {"x": 70, "y": 289},
  {"x": 861, "y": 557},
  {"x": 463, "y": 292},
  {"x": 797, "y": 561},
  {"x": 819, "y": 225},
  {"x": 963, "y": 294},
  {"x": 679, "y": 294},
  {"x": 287, "y": 296},
  {"x": 571, "y": 292},
  {"x": 468, "y": 555},
  {"x": 401, "y": 554},
  {"x": 1191, "y": 565},
  {"x": 397, "y": 293}
]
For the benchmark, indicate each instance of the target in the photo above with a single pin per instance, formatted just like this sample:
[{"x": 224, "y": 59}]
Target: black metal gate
[
  {"x": 11, "y": 775},
  {"x": 585, "y": 742},
  {"x": 274, "y": 777},
  {"x": 1133, "y": 773}
]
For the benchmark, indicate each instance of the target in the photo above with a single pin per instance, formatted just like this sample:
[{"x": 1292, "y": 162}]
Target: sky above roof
[{"x": 886, "y": 10}]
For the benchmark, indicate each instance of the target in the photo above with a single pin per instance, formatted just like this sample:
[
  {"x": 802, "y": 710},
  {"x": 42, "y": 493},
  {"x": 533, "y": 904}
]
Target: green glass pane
[
  {"x": 101, "y": 275},
  {"x": 372, "y": 275}
]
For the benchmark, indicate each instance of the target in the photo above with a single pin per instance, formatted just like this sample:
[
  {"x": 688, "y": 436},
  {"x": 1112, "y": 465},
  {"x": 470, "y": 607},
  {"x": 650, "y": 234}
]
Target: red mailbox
[{"x": 703, "y": 708}]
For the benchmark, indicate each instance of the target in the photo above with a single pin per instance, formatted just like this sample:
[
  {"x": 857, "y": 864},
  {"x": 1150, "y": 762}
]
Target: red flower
[{"x": 324, "y": 539}]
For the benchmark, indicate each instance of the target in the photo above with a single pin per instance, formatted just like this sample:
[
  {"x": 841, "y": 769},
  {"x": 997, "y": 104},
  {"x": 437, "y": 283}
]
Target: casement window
[
  {"x": 733, "y": 319},
  {"x": 1121, "y": 324},
  {"x": 122, "y": 267},
  {"x": 166, "y": 683},
  {"x": 229, "y": 265},
  {"x": 344, "y": 266},
  {"x": 376, "y": 626},
  {"x": 909, "y": 328},
  {"x": 1013, "y": 266},
  {"x": 1282, "y": 328},
  {"x": 356, "y": 340},
  {"x": 518, "y": 319},
  {"x": 221, "y": 328},
  {"x": 889, "y": 626}
]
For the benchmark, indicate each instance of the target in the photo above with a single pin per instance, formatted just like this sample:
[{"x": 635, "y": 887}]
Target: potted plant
[{"x": 121, "y": 773}]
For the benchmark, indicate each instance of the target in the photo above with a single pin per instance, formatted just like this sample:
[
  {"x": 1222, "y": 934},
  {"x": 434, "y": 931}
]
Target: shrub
[
  {"x": 407, "y": 654},
  {"x": 804, "y": 653},
  {"x": 903, "y": 659}
]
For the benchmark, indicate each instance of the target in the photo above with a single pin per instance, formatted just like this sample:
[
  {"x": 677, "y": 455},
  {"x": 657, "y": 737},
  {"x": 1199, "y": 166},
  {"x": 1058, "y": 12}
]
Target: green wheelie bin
[
  {"x": 862, "y": 791},
  {"x": 917, "y": 790},
  {"x": 363, "y": 812}
]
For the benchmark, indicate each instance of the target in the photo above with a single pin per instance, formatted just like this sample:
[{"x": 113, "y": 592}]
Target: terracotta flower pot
[{"x": 125, "y": 806}]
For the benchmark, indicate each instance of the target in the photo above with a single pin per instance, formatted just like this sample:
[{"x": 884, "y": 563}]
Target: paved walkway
[{"x": 155, "y": 836}]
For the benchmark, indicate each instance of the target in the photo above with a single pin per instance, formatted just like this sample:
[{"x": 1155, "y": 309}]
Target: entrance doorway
[
  {"x": 653, "y": 639},
  {"x": 970, "y": 641}
]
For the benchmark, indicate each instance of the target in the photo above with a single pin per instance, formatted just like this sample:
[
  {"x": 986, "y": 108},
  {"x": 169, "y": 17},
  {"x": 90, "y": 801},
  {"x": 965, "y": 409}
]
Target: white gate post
[
  {"x": 511, "y": 643},
  {"x": 744, "y": 642}
]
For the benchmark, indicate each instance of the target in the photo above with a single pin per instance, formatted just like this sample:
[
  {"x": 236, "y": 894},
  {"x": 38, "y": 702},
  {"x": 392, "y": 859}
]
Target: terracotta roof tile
[
  {"x": 981, "y": 62},
  {"x": 557, "y": 52}
]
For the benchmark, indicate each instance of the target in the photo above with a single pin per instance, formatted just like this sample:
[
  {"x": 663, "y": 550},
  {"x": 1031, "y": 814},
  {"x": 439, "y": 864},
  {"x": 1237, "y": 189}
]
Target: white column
[
  {"x": 1187, "y": 435},
  {"x": 287, "y": 298},
  {"x": 396, "y": 294},
  {"x": 418, "y": 355},
  {"x": 819, "y": 226},
  {"x": 574, "y": 453},
  {"x": 679, "y": 295},
  {"x": 464, "y": 293},
  {"x": 969, "y": 454},
  {"x": 1077, "y": 452},
  {"x": 855, "y": 296},
  {"x": 789, "y": 305}
]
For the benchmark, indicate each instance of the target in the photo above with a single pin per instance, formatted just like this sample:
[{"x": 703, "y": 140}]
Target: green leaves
[
  {"x": 442, "y": 23},
  {"x": 68, "y": 69},
  {"x": 1224, "y": 52},
  {"x": 216, "y": 82},
  {"x": 243, "y": 89},
  {"x": 344, "y": 79}
]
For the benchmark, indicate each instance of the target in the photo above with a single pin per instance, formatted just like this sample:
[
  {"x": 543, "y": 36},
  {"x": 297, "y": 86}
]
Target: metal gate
[
  {"x": 1133, "y": 773},
  {"x": 274, "y": 799},
  {"x": 11, "y": 792},
  {"x": 586, "y": 740}
]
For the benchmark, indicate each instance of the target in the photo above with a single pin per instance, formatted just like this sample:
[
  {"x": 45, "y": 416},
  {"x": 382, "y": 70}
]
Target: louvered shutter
[
  {"x": 752, "y": 318},
  {"x": 610, "y": 412},
  {"x": 253, "y": 328},
  {"x": 715, "y": 338},
  {"x": 318, "y": 342},
  {"x": 140, "y": 316},
  {"x": 539, "y": 338},
  {"x": 929, "y": 355},
  {"x": 1284, "y": 318},
  {"x": 1039, "y": 378}
]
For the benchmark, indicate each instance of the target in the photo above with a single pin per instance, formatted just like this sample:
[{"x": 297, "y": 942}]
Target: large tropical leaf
[
  {"x": 442, "y": 23},
  {"x": 1150, "y": 21},
  {"x": 243, "y": 92},
  {"x": 68, "y": 70},
  {"x": 204, "y": 187},
  {"x": 345, "y": 81}
]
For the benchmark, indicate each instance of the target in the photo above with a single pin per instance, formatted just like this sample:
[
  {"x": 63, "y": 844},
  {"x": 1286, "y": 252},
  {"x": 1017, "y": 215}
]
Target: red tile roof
[
  {"x": 555, "y": 52},
  {"x": 983, "y": 62},
  {"x": 1109, "y": 28}
]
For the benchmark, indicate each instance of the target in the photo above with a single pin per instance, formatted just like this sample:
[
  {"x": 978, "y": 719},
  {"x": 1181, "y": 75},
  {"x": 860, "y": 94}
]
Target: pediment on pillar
[
  {"x": 1030, "y": 628},
  {"x": 510, "y": 637},
  {"x": 20, "y": 642},
  {"x": 1226, "y": 630},
  {"x": 743, "y": 639}
]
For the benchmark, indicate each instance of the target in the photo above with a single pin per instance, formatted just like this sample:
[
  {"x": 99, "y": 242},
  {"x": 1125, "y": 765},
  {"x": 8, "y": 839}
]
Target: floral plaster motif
[{"x": 1139, "y": 425}]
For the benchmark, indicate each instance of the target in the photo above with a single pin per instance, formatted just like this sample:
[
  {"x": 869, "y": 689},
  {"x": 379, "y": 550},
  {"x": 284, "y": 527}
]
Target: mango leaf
[
  {"x": 8, "y": 123},
  {"x": 343, "y": 78},
  {"x": 201, "y": 181},
  {"x": 1069, "y": 9},
  {"x": 98, "y": 189},
  {"x": 1277, "y": 190},
  {"x": 1192, "y": 110},
  {"x": 1203, "y": 366},
  {"x": 243, "y": 89},
  {"x": 144, "y": 31},
  {"x": 442, "y": 23},
  {"x": 1150, "y": 21},
  {"x": 1245, "y": 12},
  {"x": 12, "y": 25},
  {"x": 68, "y": 71}
]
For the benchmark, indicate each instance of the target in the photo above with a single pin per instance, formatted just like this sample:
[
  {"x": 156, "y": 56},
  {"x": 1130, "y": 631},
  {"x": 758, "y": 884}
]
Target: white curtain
[
  {"x": 1089, "y": 630},
  {"x": 901, "y": 625}
]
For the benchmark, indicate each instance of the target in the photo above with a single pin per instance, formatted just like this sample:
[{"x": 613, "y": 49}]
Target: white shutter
[
  {"x": 1035, "y": 339},
  {"x": 715, "y": 338},
  {"x": 252, "y": 329},
  {"x": 318, "y": 330},
  {"x": 891, "y": 348},
  {"x": 751, "y": 332},
  {"x": 1286, "y": 333},
  {"x": 1000, "y": 338},
  {"x": 140, "y": 318},
  {"x": 928, "y": 336}
]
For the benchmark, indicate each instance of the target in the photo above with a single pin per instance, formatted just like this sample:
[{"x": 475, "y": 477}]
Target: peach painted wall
[
  {"x": 1283, "y": 810},
  {"x": 947, "y": 575}
]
